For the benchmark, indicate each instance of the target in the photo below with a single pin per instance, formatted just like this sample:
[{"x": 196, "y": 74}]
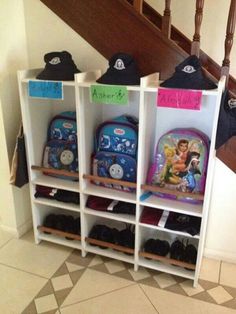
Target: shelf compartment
[
  {"x": 167, "y": 260},
  {"x": 92, "y": 189},
  {"x": 55, "y": 203},
  {"x": 59, "y": 233},
  {"x": 166, "y": 268},
  {"x": 173, "y": 205},
  {"x": 152, "y": 188},
  {"x": 179, "y": 233},
  {"x": 57, "y": 183},
  {"x": 56, "y": 171},
  {"x": 106, "y": 214},
  {"x": 110, "y": 245}
]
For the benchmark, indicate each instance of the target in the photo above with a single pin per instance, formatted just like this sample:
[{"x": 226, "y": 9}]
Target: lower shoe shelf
[{"x": 167, "y": 260}]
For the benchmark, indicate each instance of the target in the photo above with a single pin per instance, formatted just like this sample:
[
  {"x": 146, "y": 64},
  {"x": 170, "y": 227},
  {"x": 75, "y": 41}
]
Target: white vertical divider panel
[
  {"x": 24, "y": 101},
  {"x": 215, "y": 102},
  {"x": 144, "y": 134},
  {"x": 85, "y": 120}
]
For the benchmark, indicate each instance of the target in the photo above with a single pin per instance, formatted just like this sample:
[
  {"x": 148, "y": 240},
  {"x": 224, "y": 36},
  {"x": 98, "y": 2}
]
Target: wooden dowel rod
[
  {"x": 195, "y": 48},
  {"x": 138, "y": 5},
  {"x": 56, "y": 171},
  {"x": 110, "y": 245},
  {"x": 167, "y": 260},
  {"x": 166, "y": 20},
  {"x": 154, "y": 188},
  {"x": 108, "y": 180},
  {"x": 59, "y": 233}
]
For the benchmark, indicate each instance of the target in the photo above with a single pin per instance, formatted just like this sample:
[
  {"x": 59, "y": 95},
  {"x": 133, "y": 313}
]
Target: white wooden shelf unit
[{"x": 153, "y": 122}]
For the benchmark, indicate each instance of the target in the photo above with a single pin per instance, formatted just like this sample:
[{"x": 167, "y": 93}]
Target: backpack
[
  {"x": 116, "y": 143},
  {"x": 60, "y": 151},
  {"x": 180, "y": 163}
]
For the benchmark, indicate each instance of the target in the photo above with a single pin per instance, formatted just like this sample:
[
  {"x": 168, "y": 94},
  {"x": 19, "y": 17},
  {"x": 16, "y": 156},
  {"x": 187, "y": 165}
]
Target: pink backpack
[{"x": 180, "y": 163}]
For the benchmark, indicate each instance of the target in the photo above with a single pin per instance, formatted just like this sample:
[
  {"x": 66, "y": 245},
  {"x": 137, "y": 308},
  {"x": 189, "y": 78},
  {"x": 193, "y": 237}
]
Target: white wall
[{"x": 15, "y": 214}]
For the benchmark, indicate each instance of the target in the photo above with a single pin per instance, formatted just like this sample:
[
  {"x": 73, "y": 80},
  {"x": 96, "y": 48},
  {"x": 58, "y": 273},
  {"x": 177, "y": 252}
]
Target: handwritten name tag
[
  {"x": 45, "y": 89},
  {"x": 112, "y": 95},
  {"x": 180, "y": 99}
]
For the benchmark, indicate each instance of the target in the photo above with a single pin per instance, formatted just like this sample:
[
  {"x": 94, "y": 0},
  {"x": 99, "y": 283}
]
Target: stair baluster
[
  {"x": 138, "y": 5},
  {"x": 195, "y": 47},
  {"x": 229, "y": 39},
  {"x": 166, "y": 19}
]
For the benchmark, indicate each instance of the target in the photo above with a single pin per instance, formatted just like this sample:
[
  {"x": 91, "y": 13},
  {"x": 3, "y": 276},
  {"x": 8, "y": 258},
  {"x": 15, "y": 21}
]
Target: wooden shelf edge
[
  {"x": 167, "y": 260},
  {"x": 109, "y": 180},
  {"x": 59, "y": 233},
  {"x": 56, "y": 171},
  {"x": 154, "y": 188},
  {"x": 110, "y": 245}
]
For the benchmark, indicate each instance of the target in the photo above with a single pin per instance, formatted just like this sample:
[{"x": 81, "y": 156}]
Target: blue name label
[{"x": 45, "y": 89}]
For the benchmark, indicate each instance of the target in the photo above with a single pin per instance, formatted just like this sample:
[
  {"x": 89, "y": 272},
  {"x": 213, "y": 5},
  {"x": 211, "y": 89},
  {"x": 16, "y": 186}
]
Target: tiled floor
[{"x": 48, "y": 279}]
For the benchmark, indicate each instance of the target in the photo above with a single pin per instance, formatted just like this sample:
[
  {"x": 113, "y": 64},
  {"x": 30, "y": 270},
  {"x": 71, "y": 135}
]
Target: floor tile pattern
[{"x": 68, "y": 289}]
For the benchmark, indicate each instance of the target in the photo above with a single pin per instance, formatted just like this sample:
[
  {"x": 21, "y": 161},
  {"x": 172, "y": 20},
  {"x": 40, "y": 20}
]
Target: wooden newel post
[
  {"x": 138, "y": 5},
  {"x": 229, "y": 39},
  {"x": 195, "y": 47},
  {"x": 166, "y": 19}
]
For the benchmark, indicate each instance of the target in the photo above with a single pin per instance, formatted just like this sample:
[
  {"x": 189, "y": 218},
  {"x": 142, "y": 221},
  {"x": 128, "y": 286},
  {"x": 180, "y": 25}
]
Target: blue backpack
[
  {"x": 60, "y": 151},
  {"x": 116, "y": 143}
]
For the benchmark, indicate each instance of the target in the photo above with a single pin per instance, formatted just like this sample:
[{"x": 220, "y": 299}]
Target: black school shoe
[
  {"x": 103, "y": 233},
  {"x": 160, "y": 247},
  {"x": 190, "y": 255},
  {"x": 126, "y": 238},
  {"x": 177, "y": 250},
  {"x": 50, "y": 222}
]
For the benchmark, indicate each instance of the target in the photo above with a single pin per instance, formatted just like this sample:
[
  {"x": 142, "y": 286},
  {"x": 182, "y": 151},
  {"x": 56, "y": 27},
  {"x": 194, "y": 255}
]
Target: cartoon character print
[{"x": 181, "y": 165}]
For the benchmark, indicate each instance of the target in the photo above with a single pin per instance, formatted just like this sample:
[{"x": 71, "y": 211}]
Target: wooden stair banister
[
  {"x": 166, "y": 20},
  {"x": 138, "y": 5},
  {"x": 229, "y": 39},
  {"x": 195, "y": 47}
]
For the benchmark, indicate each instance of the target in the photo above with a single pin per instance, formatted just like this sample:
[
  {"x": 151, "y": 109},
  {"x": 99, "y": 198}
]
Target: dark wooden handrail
[
  {"x": 195, "y": 47},
  {"x": 166, "y": 20},
  {"x": 229, "y": 39}
]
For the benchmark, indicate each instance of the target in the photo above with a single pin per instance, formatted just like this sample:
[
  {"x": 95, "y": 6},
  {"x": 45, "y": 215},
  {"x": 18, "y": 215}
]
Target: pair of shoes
[
  {"x": 104, "y": 233},
  {"x": 157, "y": 247},
  {"x": 185, "y": 253},
  {"x": 65, "y": 223}
]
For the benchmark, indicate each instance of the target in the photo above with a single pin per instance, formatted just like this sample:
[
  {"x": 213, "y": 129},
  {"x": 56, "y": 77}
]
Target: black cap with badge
[
  {"x": 122, "y": 70},
  {"x": 189, "y": 75},
  {"x": 59, "y": 67}
]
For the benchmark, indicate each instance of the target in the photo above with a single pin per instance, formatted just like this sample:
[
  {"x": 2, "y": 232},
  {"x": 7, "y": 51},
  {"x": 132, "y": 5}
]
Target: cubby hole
[
  {"x": 157, "y": 247},
  {"x": 57, "y": 222},
  {"x": 39, "y": 114},
  {"x": 92, "y": 115},
  {"x": 109, "y": 237},
  {"x": 110, "y": 209},
  {"x": 156, "y": 122}
]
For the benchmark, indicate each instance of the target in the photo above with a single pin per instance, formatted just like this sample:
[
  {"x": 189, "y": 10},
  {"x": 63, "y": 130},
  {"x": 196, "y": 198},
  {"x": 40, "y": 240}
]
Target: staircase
[{"x": 134, "y": 27}]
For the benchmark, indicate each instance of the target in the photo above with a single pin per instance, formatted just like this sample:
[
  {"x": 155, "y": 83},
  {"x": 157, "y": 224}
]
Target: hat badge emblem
[
  {"x": 55, "y": 60},
  {"x": 189, "y": 69},
  {"x": 119, "y": 65},
  {"x": 232, "y": 103}
]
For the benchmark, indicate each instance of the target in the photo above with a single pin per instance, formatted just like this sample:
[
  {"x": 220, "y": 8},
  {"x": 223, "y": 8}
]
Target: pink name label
[{"x": 179, "y": 98}]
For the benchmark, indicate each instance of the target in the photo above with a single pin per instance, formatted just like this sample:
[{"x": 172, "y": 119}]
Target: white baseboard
[
  {"x": 20, "y": 230},
  {"x": 229, "y": 257}
]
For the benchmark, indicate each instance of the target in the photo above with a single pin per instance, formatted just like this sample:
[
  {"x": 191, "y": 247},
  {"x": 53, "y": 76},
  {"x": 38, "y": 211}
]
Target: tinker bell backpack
[
  {"x": 60, "y": 151},
  {"x": 116, "y": 143},
  {"x": 180, "y": 163}
]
